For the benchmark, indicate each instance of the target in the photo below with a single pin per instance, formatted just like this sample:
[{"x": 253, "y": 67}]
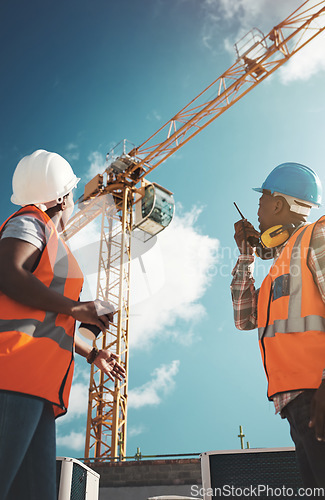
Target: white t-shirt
[{"x": 26, "y": 228}]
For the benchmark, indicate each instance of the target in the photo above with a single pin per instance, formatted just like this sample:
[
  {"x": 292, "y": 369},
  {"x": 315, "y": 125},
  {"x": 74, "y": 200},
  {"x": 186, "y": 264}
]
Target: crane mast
[
  {"x": 107, "y": 404},
  {"x": 258, "y": 56}
]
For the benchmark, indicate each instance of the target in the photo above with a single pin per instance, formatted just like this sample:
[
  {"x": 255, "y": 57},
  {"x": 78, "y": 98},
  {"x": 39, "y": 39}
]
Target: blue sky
[{"x": 79, "y": 76}]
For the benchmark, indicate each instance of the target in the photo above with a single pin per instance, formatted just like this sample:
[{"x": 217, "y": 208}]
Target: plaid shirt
[{"x": 244, "y": 295}]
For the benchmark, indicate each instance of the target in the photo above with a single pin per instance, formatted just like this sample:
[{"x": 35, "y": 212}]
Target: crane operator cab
[{"x": 154, "y": 208}]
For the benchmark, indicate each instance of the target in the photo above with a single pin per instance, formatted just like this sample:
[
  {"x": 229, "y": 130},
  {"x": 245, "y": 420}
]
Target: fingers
[
  {"x": 86, "y": 312},
  {"x": 101, "y": 325},
  {"x": 115, "y": 372},
  {"x": 312, "y": 413},
  {"x": 317, "y": 415},
  {"x": 247, "y": 224},
  {"x": 112, "y": 355},
  {"x": 108, "y": 363},
  {"x": 104, "y": 320},
  {"x": 110, "y": 317},
  {"x": 117, "y": 369},
  {"x": 243, "y": 231},
  {"x": 242, "y": 226},
  {"x": 318, "y": 423},
  {"x": 111, "y": 371}
]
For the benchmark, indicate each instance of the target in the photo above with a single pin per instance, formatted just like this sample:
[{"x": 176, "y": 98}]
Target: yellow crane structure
[{"x": 124, "y": 183}]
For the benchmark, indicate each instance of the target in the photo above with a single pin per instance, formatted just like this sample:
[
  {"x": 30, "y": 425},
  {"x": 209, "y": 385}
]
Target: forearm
[
  {"x": 17, "y": 259},
  {"x": 22, "y": 286},
  {"x": 244, "y": 295},
  {"x": 81, "y": 347}
]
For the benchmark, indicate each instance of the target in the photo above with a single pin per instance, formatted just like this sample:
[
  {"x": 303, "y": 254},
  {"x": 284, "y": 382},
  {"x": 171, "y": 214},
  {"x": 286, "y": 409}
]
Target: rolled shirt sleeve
[
  {"x": 26, "y": 228},
  {"x": 244, "y": 295}
]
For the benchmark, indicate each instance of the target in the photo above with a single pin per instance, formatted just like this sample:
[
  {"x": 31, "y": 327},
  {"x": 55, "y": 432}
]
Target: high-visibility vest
[
  {"x": 291, "y": 319},
  {"x": 36, "y": 347}
]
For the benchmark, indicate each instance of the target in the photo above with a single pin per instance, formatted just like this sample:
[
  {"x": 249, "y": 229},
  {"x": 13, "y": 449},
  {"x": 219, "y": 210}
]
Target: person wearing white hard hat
[
  {"x": 40, "y": 285},
  {"x": 289, "y": 308}
]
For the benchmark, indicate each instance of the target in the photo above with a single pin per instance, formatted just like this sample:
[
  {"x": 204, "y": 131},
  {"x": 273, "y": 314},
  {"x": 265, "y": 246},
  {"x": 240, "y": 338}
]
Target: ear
[
  {"x": 278, "y": 205},
  {"x": 60, "y": 206},
  {"x": 63, "y": 203}
]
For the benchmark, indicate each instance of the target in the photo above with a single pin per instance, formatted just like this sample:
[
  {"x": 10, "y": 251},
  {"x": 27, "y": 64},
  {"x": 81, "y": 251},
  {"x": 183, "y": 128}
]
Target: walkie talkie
[{"x": 260, "y": 250}]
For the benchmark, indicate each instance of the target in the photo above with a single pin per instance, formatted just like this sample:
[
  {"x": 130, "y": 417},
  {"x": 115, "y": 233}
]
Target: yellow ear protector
[
  {"x": 276, "y": 236},
  {"x": 270, "y": 239}
]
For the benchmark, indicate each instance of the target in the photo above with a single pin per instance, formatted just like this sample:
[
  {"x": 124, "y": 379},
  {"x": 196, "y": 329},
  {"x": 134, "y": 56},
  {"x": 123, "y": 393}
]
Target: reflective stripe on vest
[
  {"x": 294, "y": 325},
  {"x": 46, "y": 328},
  {"x": 39, "y": 329}
]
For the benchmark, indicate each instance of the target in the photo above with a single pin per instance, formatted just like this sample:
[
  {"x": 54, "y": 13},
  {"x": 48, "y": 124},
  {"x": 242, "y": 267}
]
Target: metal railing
[{"x": 138, "y": 457}]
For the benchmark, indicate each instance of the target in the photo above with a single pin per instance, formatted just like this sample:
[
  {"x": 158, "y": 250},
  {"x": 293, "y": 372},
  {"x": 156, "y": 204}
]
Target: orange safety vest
[
  {"x": 291, "y": 319},
  {"x": 36, "y": 347}
]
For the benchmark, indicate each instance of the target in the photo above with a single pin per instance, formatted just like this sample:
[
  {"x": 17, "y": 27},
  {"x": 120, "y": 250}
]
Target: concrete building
[{"x": 139, "y": 480}]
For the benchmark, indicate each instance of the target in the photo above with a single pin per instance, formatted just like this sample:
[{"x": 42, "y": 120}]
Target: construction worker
[
  {"x": 40, "y": 284},
  {"x": 289, "y": 308}
]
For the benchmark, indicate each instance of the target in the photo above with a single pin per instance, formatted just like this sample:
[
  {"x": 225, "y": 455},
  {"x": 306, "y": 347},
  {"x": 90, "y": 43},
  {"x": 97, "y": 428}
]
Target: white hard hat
[{"x": 42, "y": 177}]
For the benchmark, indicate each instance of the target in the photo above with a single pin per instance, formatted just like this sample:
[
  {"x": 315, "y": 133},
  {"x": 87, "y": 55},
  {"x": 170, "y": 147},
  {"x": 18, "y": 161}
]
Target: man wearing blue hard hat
[{"x": 289, "y": 308}]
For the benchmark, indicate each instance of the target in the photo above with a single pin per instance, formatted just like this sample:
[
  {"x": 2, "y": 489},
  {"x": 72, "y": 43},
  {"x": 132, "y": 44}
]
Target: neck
[
  {"x": 55, "y": 214},
  {"x": 295, "y": 225}
]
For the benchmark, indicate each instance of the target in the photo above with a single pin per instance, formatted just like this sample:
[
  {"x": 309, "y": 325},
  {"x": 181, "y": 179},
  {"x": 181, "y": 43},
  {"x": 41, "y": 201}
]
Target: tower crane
[{"x": 124, "y": 180}]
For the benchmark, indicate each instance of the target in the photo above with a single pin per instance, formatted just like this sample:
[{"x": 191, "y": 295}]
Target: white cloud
[
  {"x": 97, "y": 164},
  {"x": 169, "y": 273},
  {"x": 150, "y": 393},
  {"x": 72, "y": 152},
  {"x": 183, "y": 336},
  {"x": 85, "y": 247},
  {"x": 240, "y": 16},
  {"x": 135, "y": 431},
  {"x": 169, "y": 276},
  {"x": 78, "y": 401},
  {"x": 246, "y": 14},
  {"x": 178, "y": 271},
  {"x": 306, "y": 63},
  {"x": 74, "y": 440},
  {"x": 77, "y": 410},
  {"x": 154, "y": 115}
]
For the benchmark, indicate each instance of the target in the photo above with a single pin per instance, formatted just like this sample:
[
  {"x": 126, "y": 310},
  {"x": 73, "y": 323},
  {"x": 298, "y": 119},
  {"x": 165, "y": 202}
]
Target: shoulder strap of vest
[
  {"x": 304, "y": 227},
  {"x": 35, "y": 212},
  {"x": 291, "y": 240}
]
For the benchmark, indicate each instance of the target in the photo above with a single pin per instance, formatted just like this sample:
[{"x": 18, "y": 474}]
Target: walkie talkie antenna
[{"x": 239, "y": 211}]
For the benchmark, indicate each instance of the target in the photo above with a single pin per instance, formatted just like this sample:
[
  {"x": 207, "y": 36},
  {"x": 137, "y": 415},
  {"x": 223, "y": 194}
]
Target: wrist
[
  {"x": 246, "y": 249},
  {"x": 92, "y": 355},
  {"x": 246, "y": 258},
  {"x": 71, "y": 308}
]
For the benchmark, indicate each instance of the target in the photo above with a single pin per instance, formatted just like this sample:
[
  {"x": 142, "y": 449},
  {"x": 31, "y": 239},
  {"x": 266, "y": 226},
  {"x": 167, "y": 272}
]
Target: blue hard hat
[{"x": 295, "y": 180}]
